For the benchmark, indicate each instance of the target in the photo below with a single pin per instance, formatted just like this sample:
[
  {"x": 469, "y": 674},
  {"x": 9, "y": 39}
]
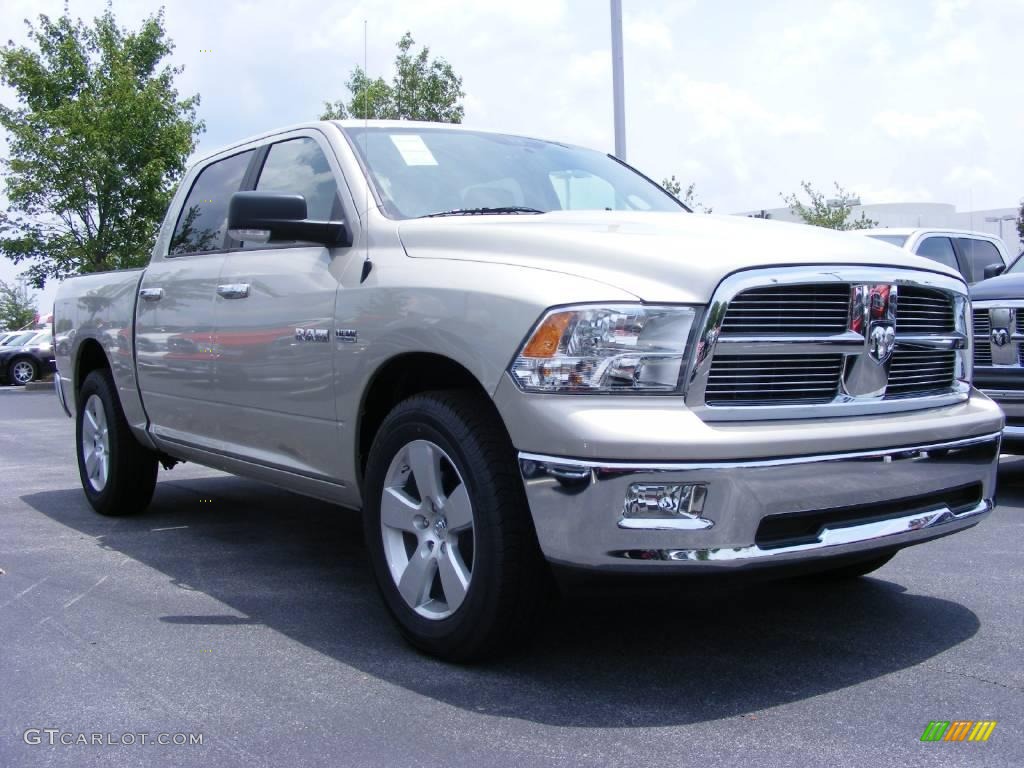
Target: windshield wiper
[{"x": 481, "y": 211}]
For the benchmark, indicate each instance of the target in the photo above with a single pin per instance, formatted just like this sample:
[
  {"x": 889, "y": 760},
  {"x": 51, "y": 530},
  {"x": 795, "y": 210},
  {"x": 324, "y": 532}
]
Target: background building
[{"x": 1001, "y": 222}]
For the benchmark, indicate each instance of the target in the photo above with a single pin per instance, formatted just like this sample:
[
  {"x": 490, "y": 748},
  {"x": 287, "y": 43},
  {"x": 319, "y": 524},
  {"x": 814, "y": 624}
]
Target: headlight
[{"x": 613, "y": 348}]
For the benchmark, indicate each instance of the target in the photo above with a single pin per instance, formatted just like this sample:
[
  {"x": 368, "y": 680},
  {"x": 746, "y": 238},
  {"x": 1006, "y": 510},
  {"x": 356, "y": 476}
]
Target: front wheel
[
  {"x": 118, "y": 473},
  {"x": 22, "y": 371},
  {"x": 448, "y": 529}
]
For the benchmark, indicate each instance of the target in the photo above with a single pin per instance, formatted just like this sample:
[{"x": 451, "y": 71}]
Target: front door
[{"x": 275, "y": 334}]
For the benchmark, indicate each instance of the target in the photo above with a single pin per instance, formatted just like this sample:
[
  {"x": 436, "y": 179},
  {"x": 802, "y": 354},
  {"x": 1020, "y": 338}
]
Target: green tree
[
  {"x": 421, "y": 89},
  {"x": 834, "y": 213},
  {"x": 674, "y": 187},
  {"x": 97, "y": 142},
  {"x": 17, "y": 306},
  {"x": 1020, "y": 221}
]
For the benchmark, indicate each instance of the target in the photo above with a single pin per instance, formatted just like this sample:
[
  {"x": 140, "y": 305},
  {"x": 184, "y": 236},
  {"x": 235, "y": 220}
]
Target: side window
[
  {"x": 203, "y": 221},
  {"x": 582, "y": 191},
  {"x": 938, "y": 249},
  {"x": 298, "y": 166},
  {"x": 978, "y": 254}
]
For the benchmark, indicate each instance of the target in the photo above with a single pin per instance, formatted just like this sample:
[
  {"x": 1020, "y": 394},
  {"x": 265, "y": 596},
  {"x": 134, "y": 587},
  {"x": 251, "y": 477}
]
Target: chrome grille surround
[
  {"x": 1005, "y": 318},
  {"x": 926, "y": 334}
]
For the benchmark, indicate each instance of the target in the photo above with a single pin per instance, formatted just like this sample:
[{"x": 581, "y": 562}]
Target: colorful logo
[{"x": 958, "y": 730}]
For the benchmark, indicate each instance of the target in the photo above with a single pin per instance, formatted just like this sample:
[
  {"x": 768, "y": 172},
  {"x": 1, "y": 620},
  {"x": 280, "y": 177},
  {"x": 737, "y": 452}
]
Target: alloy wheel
[{"x": 426, "y": 520}]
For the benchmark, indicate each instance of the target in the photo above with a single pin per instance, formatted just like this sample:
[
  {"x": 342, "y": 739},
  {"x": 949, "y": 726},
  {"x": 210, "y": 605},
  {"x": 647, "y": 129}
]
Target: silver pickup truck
[{"x": 512, "y": 353}]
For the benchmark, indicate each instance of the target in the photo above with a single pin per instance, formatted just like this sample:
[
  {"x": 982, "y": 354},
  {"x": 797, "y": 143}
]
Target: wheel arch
[
  {"x": 399, "y": 378},
  {"x": 89, "y": 357}
]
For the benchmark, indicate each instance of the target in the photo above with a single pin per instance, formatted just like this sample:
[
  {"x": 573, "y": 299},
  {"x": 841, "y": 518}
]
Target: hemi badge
[{"x": 346, "y": 335}]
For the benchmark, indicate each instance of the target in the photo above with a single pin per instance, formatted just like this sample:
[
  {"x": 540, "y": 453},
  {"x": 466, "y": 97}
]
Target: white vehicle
[{"x": 969, "y": 253}]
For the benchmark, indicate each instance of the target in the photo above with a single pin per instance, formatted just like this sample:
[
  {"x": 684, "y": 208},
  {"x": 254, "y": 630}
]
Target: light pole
[
  {"x": 1001, "y": 219},
  {"x": 618, "y": 86}
]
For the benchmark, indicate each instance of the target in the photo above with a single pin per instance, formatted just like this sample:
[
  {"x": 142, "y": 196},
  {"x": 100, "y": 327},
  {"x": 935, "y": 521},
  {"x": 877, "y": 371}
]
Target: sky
[{"x": 909, "y": 101}]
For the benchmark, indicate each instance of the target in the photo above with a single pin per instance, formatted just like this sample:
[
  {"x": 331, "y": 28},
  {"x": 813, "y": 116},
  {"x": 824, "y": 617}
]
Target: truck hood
[
  {"x": 999, "y": 288},
  {"x": 658, "y": 257}
]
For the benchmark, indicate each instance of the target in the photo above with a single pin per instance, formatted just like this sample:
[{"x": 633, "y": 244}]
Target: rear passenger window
[
  {"x": 299, "y": 167},
  {"x": 203, "y": 221},
  {"x": 978, "y": 254},
  {"x": 938, "y": 249}
]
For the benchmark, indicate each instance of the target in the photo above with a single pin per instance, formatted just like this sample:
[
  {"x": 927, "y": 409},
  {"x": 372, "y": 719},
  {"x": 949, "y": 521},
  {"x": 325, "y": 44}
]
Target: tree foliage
[
  {"x": 97, "y": 141},
  {"x": 674, "y": 187},
  {"x": 1020, "y": 221},
  {"x": 17, "y": 306},
  {"x": 421, "y": 89},
  {"x": 831, "y": 213}
]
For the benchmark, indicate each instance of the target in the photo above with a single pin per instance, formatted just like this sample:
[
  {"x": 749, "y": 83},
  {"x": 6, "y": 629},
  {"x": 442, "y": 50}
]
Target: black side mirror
[
  {"x": 274, "y": 217},
  {"x": 992, "y": 270}
]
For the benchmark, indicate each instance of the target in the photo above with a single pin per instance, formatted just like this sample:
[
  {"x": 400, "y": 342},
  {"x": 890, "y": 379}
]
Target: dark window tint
[
  {"x": 891, "y": 239},
  {"x": 203, "y": 221},
  {"x": 938, "y": 249},
  {"x": 300, "y": 167},
  {"x": 978, "y": 254}
]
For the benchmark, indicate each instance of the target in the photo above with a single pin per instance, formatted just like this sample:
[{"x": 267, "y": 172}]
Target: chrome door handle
[
  {"x": 233, "y": 290},
  {"x": 152, "y": 294}
]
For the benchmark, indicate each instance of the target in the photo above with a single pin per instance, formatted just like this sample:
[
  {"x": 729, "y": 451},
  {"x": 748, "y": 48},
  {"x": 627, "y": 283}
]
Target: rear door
[
  {"x": 275, "y": 329},
  {"x": 939, "y": 248},
  {"x": 175, "y": 311}
]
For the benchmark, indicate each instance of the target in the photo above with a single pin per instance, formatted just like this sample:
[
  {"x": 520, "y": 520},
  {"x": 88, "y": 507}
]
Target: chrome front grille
[
  {"x": 759, "y": 379},
  {"x": 789, "y": 309},
  {"x": 920, "y": 372},
  {"x": 853, "y": 340},
  {"x": 923, "y": 310},
  {"x": 982, "y": 337},
  {"x": 999, "y": 334}
]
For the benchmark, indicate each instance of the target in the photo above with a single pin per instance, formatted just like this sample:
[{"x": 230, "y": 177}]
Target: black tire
[
  {"x": 857, "y": 569},
  {"x": 20, "y": 362},
  {"x": 506, "y": 588},
  {"x": 132, "y": 468}
]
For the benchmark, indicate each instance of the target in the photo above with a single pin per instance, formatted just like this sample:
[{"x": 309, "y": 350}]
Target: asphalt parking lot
[{"x": 247, "y": 615}]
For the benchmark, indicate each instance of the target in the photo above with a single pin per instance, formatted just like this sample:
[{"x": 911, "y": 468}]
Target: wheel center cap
[{"x": 440, "y": 527}]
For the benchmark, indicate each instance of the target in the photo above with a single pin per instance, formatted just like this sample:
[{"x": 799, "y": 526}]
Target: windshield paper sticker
[{"x": 412, "y": 149}]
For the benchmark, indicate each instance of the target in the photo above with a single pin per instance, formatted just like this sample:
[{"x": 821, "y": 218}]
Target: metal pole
[{"x": 618, "y": 87}]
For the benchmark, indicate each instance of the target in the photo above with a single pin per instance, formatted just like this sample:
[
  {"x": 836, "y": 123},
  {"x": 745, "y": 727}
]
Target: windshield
[
  {"x": 1017, "y": 267},
  {"x": 40, "y": 338},
  {"x": 894, "y": 239},
  {"x": 423, "y": 171}
]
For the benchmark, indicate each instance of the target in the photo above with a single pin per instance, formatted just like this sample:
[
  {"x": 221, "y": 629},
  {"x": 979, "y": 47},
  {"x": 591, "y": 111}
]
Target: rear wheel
[
  {"x": 22, "y": 371},
  {"x": 118, "y": 473},
  {"x": 448, "y": 528}
]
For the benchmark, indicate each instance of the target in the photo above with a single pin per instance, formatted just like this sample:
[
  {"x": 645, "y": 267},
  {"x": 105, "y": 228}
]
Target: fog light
[{"x": 647, "y": 501}]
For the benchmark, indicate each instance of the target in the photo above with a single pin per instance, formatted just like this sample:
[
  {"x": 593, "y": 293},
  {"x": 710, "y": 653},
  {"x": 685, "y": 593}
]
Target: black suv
[{"x": 21, "y": 364}]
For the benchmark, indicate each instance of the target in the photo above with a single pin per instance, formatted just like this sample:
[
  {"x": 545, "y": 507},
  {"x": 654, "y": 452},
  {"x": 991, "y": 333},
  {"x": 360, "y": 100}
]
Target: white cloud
[
  {"x": 951, "y": 127},
  {"x": 647, "y": 33}
]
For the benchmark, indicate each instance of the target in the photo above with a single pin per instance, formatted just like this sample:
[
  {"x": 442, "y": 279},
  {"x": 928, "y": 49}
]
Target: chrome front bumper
[{"x": 577, "y": 505}]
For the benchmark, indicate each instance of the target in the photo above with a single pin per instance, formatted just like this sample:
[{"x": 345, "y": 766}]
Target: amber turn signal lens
[{"x": 545, "y": 340}]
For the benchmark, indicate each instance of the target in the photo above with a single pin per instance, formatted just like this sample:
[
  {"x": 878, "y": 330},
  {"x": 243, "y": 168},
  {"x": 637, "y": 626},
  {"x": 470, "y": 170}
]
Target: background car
[
  {"x": 970, "y": 253},
  {"x": 28, "y": 361},
  {"x": 16, "y": 338}
]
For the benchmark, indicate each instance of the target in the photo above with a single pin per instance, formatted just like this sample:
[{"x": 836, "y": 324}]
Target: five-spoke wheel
[{"x": 426, "y": 522}]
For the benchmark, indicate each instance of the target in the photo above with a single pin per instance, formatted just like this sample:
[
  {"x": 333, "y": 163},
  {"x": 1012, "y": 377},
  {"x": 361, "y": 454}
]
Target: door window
[
  {"x": 299, "y": 167},
  {"x": 203, "y": 221},
  {"x": 938, "y": 249},
  {"x": 978, "y": 254}
]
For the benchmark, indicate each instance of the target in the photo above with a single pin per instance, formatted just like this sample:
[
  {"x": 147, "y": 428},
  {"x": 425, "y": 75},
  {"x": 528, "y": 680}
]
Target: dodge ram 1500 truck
[
  {"x": 999, "y": 347},
  {"x": 511, "y": 353}
]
